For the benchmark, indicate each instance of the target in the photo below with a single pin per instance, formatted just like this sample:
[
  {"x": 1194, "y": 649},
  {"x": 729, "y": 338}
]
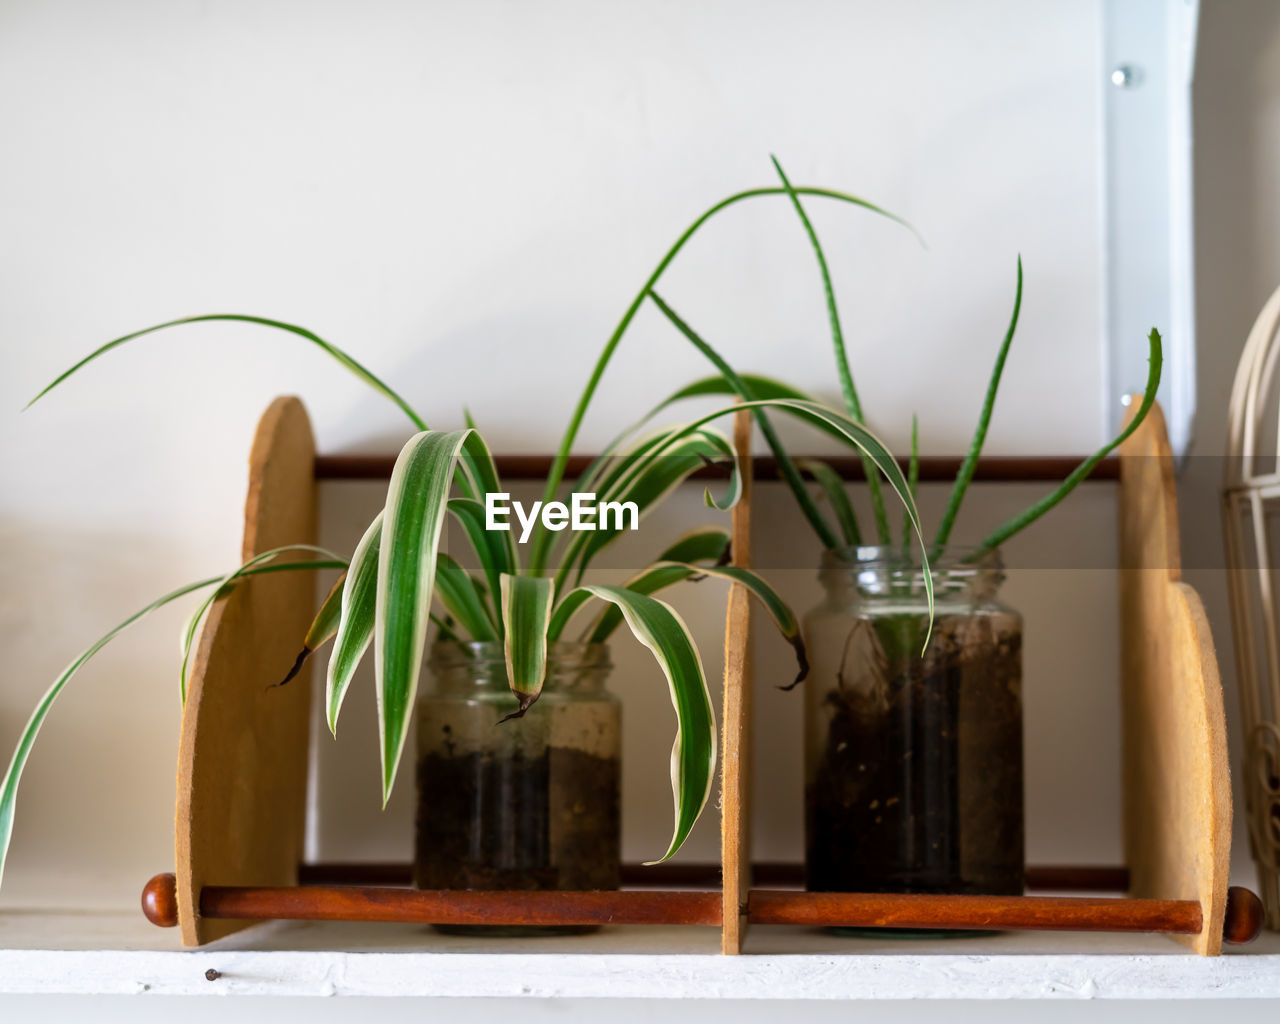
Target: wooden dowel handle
[
  {"x": 160, "y": 900},
  {"x": 426, "y": 906},
  {"x": 1242, "y": 921},
  {"x": 1056, "y": 913},
  {"x": 364, "y": 903}
]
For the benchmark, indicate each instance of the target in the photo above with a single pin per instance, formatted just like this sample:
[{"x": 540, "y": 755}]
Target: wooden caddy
[{"x": 242, "y": 763}]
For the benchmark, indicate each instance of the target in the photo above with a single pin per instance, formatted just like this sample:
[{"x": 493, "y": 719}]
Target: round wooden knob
[
  {"x": 160, "y": 900},
  {"x": 1243, "y": 919}
]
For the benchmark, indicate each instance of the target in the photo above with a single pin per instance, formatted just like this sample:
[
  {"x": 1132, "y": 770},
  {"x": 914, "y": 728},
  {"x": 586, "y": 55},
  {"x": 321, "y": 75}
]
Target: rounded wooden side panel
[
  {"x": 1177, "y": 785},
  {"x": 242, "y": 761}
]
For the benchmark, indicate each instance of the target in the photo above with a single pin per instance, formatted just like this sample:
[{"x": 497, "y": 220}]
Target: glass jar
[
  {"x": 913, "y": 764},
  {"x": 532, "y": 803}
]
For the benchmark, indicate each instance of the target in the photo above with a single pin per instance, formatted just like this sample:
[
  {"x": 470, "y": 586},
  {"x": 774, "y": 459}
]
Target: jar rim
[
  {"x": 894, "y": 572},
  {"x": 961, "y": 557},
  {"x": 578, "y": 654}
]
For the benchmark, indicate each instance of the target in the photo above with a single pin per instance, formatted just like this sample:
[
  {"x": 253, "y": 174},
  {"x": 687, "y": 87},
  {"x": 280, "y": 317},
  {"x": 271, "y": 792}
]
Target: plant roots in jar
[{"x": 918, "y": 785}]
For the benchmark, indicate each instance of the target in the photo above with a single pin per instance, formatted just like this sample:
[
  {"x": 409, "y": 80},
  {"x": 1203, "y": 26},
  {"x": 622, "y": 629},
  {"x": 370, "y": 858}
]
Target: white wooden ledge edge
[
  {"x": 119, "y": 953},
  {"x": 639, "y": 976}
]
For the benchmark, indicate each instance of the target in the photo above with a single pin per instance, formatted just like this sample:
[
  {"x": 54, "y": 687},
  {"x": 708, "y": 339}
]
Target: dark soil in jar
[
  {"x": 492, "y": 822},
  {"x": 919, "y": 786}
]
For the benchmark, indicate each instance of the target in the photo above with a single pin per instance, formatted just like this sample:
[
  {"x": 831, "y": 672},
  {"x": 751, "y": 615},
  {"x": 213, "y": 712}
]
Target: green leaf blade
[
  {"x": 26, "y": 740},
  {"x": 556, "y": 476},
  {"x": 833, "y": 487},
  {"x": 9, "y": 786},
  {"x": 494, "y": 548},
  {"x": 879, "y": 455},
  {"x": 851, "y": 401},
  {"x": 778, "y": 609},
  {"x": 693, "y": 754},
  {"x": 964, "y": 475},
  {"x": 356, "y": 620},
  {"x": 785, "y": 463},
  {"x": 646, "y": 480},
  {"x": 417, "y": 504},
  {"x": 345, "y": 359},
  {"x": 458, "y": 593},
  {"x": 224, "y": 587},
  {"x": 858, "y": 435},
  {"x": 1024, "y": 519},
  {"x": 913, "y": 477},
  {"x": 526, "y": 609},
  {"x": 654, "y": 479},
  {"x": 703, "y": 544}
]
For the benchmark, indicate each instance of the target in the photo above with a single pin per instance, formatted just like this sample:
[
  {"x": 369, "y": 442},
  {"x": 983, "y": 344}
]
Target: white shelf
[{"x": 120, "y": 953}]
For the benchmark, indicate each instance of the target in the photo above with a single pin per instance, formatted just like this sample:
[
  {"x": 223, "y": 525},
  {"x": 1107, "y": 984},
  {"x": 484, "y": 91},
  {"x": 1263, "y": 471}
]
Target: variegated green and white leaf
[
  {"x": 707, "y": 543},
  {"x": 12, "y": 777},
  {"x": 355, "y": 625},
  {"x": 494, "y": 548},
  {"x": 457, "y": 592},
  {"x": 417, "y": 503},
  {"x": 647, "y": 484},
  {"x": 703, "y": 543},
  {"x": 650, "y": 580},
  {"x": 772, "y": 602},
  {"x": 526, "y": 610},
  {"x": 665, "y": 574},
  {"x": 224, "y": 588},
  {"x": 858, "y": 435},
  {"x": 720, "y": 387},
  {"x": 617, "y": 463},
  {"x": 477, "y": 461},
  {"x": 323, "y": 628},
  {"x": 693, "y": 754}
]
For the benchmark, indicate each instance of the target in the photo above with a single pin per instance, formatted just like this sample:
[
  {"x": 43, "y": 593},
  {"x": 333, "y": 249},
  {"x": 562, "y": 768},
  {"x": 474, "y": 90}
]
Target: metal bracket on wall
[{"x": 1148, "y": 61}]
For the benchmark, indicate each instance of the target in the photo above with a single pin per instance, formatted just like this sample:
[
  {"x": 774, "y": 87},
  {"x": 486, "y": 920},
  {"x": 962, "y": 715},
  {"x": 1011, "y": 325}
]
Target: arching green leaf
[
  {"x": 693, "y": 755},
  {"x": 417, "y": 503}
]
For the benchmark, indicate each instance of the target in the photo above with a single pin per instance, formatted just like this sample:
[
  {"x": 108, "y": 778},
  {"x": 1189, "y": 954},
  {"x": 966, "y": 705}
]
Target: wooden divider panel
[
  {"x": 1176, "y": 783},
  {"x": 735, "y": 760},
  {"x": 242, "y": 761}
]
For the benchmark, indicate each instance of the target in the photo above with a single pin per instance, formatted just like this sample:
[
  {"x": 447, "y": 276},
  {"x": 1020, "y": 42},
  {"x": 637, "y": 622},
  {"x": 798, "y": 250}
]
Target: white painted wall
[
  {"x": 462, "y": 190},
  {"x": 470, "y": 213}
]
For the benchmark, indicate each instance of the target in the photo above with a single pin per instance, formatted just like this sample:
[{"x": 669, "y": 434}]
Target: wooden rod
[
  {"x": 1060, "y": 878},
  {"x": 356, "y": 903},
  {"x": 1055, "y": 913},
  {"x": 1243, "y": 919},
  {"x": 938, "y": 468}
]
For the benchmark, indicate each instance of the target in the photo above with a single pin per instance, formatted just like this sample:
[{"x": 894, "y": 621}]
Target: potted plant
[
  {"x": 502, "y": 629},
  {"x": 914, "y": 776}
]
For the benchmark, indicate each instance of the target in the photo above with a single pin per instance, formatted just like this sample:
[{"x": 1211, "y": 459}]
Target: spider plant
[
  {"x": 398, "y": 582},
  {"x": 847, "y": 532}
]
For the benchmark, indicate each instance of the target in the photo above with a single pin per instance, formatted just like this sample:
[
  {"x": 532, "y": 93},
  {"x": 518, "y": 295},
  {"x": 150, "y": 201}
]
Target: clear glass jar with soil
[
  {"x": 531, "y": 803},
  {"x": 913, "y": 763}
]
